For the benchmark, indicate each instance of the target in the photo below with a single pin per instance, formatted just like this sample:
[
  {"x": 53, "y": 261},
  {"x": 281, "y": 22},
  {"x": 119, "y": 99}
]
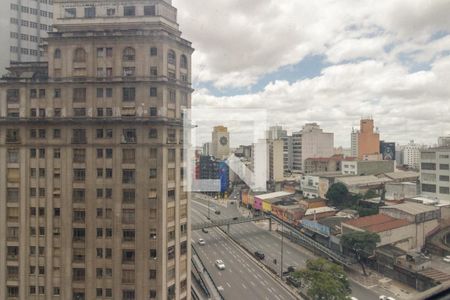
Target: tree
[
  {"x": 324, "y": 280},
  {"x": 370, "y": 194},
  {"x": 338, "y": 195},
  {"x": 360, "y": 243}
]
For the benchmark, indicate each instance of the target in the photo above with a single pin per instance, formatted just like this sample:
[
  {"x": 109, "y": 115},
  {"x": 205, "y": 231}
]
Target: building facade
[
  {"x": 93, "y": 205},
  {"x": 411, "y": 155},
  {"x": 220, "y": 142},
  {"x": 354, "y": 142},
  {"x": 368, "y": 139},
  {"x": 26, "y": 23},
  {"x": 311, "y": 142},
  {"x": 367, "y": 167},
  {"x": 435, "y": 173},
  {"x": 276, "y": 160}
]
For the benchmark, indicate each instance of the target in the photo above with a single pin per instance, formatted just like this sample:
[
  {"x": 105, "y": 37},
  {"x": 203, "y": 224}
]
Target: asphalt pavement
[
  {"x": 242, "y": 278},
  {"x": 255, "y": 238}
]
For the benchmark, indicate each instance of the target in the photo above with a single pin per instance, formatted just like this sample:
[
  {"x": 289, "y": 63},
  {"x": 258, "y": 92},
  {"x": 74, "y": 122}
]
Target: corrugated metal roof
[
  {"x": 273, "y": 195},
  {"x": 377, "y": 223},
  {"x": 412, "y": 208}
]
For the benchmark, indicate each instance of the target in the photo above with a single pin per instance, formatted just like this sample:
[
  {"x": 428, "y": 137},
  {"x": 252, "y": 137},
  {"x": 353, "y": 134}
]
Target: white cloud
[{"x": 371, "y": 47}]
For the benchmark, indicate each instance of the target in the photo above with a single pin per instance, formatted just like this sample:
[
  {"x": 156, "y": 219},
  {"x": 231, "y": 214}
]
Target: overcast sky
[{"x": 325, "y": 61}]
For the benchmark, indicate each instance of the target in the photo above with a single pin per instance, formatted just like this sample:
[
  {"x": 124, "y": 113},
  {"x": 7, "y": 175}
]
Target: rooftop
[
  {"x": 319, "y": 210},
  {"x": 363, "y": 180},
  {"x": 402, "y": 174},
  {"x": 377, "y": 223},
  {"x": 412, "y": 208},
  {"x": 273, "y": 195}
]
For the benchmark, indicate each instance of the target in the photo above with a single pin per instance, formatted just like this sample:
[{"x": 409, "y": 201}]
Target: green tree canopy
[
  {"x": 361, "y": 243},
  {"x": 324, "y": 280},
  {"x": 339, "y": 195}
]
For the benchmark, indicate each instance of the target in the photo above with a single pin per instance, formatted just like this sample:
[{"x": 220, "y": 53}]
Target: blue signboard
[
  {"x": 316, "y": 227},
  {"x": 224, "y": 176}
]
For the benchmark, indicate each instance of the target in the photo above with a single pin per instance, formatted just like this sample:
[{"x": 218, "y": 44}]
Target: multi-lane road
[
  {"x": 256, "y": 238},
  {"x": 242, "y": 278}
]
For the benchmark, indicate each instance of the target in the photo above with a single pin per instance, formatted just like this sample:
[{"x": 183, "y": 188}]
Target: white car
[
  {"x": 446, "y": 259},
  {"x": 220, "y": 265},
  {"x": 383, "y": 297},
  {"x": 201, "y": 242}
]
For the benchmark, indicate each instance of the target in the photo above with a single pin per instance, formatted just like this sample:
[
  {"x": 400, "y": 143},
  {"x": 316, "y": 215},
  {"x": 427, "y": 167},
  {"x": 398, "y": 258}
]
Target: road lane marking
[
  {"x": 244, "y": 286},
  {"x": 229, "y": 285}
]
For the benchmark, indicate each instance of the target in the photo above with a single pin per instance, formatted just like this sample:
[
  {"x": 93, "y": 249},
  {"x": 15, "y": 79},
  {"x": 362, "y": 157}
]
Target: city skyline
[{"x": 331, "y": 66}]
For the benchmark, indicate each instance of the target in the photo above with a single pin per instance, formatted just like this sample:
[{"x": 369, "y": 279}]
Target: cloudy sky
[{"x": 325, "y": 61}]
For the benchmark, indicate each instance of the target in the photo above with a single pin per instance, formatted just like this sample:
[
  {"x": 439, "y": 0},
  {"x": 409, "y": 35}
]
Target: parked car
[
  {"x": 220, "y": 265},
  {"x": 201, "y": 242},
  {"x": 204, "y": 230},
  {"x": 293, "y": 281},
  {"x": 446, "y": 259},
  {"x": 259, "y": 255},
  {"x": 235, "y": 218},
  {"x": 217, "y": 212},
  {"x": 383, "y": 297}
]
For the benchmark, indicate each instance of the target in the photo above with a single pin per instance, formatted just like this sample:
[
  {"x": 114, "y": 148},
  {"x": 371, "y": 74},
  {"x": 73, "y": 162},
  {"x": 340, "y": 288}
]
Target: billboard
[
  {"x": 316, "y": 227},
  {"x": 387, "y": 150}
]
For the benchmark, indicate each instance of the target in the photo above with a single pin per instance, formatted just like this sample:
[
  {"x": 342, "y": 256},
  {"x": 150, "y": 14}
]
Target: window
[
  {"x": 444, "y": 190},
  {"x": 129, "y": 11},
  {"x": 13, "y": 155},
  {"x": 128, "y": 156},
  {"x": 128, "y": 235},
  {"x": 149, "y": 10},
  {"x": 57, "y": 93},
  {"x": 129, "y": 71},
  {"x": 153, "y": 71},
  {"x": 70, "y": 13},
  {"x": 128, "y": 295},
  {"x": 109, "y": 92},
  {"x": 171, "y": 57},
  {"x": 153, "y": 112},
  {"x": 430, "y": 188},
  {"x": 153, "y": 173},
  {"x": 153, "y": 92},
  {"x": 79, "y": 112},
  {"x": 79, "y": 95},
  {"x": 172, "y": 96},
  {"x": 79, "y": 155},
  {"x": 129, "y": 196},
  {"x": 128, "y": 256},
  {"x": 153, "y": 133},
  {"x": 128, "y": 176},
  {"x": 78, "y": 195},
  {"x": 443, "y": 166},
  {"x": 183, "y": 62},
  {"x": 79, "y": 136},
  {"x": 129, "y": 54},
  {"x": 129, "y": 94},
  {"x": 57, "y": 54},
  {"x": 99, "y": 92},
  {"x": 89, "y": 12},
  {"x": 12, "y": 135},
  {"x": 153, "y": 51},
  {"x": 444, "y": 178},
  {"x": 79, "y": 174},
  {"x": 428, "y": 166},
  {"x": 80, "y": 55},
  {"x": 129, "y": 136},
  {"x": 110, "y": 12}
]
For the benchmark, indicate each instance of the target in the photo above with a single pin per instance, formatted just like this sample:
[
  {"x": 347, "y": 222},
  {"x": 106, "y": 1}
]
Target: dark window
[
  {"x": 171, "y": 57},
  {"x": 70, "y": 13},
  {"x": 99, "y": 93},
  {"x": 153, "y": 133},
  {"x": 428, "y": 166},
  {"x": 128, "y": 176},
  {"x": 89, "y": 12},
  {"x": 79, "y": 95},
  {"x": 443, "y": 166},
  {"x": 129, "y": 54},
  {"x": 79, "y": 55},
  {"x": 153, "y": 51},
  {"x": 79, "y": 112},
  {"x": 153, "y": 92},
  {"x": 153, "y": 111},
  {"x": 183, "y": 62},
  {"x": 444, "y": 178},
  {"x": 57, "y": 54},
  {"x": 129, "y": 11},
  {"x": 430, "y": 188},
  {"x": 444, "y": 190},
  {"x": 149, "y": 10},
  {"x": 129, "y": 94}
]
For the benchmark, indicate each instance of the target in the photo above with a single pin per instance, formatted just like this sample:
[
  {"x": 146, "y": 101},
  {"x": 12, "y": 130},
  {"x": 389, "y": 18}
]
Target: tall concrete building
[
  {"x": 411, "y": 155},
  {"x": 435, "y": 173},
  {"x": 275, "y": 133},
  {"x": 92, "y": 204},
  {"x": 276, "y": 160},
  {"x": 220, "y": 142},
  {"x": 368, "y": 139},
  {"x": 24, "y": 26},
  {"x": 288, "y": 153},
  {"x": 354, "y": 142},
  {"x": 311, "y": 142}
]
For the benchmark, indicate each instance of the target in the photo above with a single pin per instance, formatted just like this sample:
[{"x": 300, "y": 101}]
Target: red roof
[{"x": 377, "y": 223}]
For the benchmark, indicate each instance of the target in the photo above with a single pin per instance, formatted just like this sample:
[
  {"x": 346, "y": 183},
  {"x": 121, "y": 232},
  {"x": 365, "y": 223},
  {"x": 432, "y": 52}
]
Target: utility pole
[{"x": 209, "y": 201}]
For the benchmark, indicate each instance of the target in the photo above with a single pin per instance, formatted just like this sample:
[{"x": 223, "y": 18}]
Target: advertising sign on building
[
  {"x": 316, "y": 227},
  {"x": 387, "y": 150}
]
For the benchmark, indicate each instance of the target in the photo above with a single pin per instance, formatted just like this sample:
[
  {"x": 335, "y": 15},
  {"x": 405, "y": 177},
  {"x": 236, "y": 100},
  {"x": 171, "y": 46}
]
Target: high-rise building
[
  {"x": 276, "y": 160},
  {"x": 288, "y": 153},
  {"x": 91, "y": 149},
  {"x": 311, "y": 142},
  {"x": 411, "y": 155},
  {"x": 206, "y": 149},
  {"x": 435, "y": 173},
  {"x": 444, "y": 141},
  {"x": 275, "y": 133},
  {"x": 354, "y": 142},
  {"x": 26, "y": 23},
  {"x": 220, "y": 142},
  {"x": 368, "y": 140}
]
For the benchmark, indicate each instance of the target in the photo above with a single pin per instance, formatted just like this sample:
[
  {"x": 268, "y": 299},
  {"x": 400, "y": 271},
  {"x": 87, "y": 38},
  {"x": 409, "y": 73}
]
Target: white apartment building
[
  {"x": 311, "y": 142},
  {"x": 435, "y": 173},
  {"x": 354, "y": 142},
  {"x": 24, "y": 25},
  {"x": 411, "y": 155}
]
